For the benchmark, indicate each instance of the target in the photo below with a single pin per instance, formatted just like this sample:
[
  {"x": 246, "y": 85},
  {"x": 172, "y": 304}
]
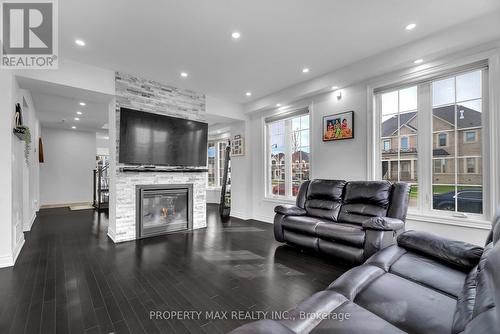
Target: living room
[{"x": 182, "y": 167}]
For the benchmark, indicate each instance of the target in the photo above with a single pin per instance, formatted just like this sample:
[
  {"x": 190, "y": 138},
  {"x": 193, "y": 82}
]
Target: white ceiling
[
  {"x": 57, "y": 106},
  {"x": 159, "y": 39}
]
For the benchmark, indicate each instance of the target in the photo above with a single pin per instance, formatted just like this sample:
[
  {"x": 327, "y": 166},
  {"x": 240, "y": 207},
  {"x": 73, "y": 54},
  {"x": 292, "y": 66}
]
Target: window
[
  {"x": 454, "y": 108},
  {"x": 288, "y": 152},
  {"x": 398, "y": 124},
  {"x": 216, "y": 158},
  {"x": 470, "y": 136},
  {"x": 405, "y": 144},
  {"x": 471, "y": 165},
  {"x": 442, "y": 139},
  {"x": 387, "y": 145},
  {"x": 457, "y": 104},
  {"x": 211, "y": 153}
]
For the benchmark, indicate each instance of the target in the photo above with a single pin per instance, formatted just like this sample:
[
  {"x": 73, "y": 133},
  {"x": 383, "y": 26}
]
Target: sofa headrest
[
  {"x": 368, "y": 192},
  {"x": 330, "y": 190}
]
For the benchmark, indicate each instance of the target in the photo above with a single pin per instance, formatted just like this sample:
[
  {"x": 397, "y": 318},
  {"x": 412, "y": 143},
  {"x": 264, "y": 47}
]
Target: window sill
[
  {"x": 277, "y": 200},
  {"x": 468, "y": 222}
]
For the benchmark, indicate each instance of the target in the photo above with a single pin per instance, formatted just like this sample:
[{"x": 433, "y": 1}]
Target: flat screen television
[{"x": 152, "y": 139}]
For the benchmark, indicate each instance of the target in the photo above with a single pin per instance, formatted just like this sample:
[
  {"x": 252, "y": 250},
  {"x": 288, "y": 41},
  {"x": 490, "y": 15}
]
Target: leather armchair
[{"x": 348, "y": 220}]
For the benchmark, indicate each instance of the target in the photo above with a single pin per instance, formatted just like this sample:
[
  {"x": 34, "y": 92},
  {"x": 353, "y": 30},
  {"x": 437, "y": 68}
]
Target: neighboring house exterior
[{"x": 467, "y": 150}]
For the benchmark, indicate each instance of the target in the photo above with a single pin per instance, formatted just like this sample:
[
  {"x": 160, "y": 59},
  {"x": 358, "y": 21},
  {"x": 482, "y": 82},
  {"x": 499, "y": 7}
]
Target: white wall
[{"x": 66, "y": 174}]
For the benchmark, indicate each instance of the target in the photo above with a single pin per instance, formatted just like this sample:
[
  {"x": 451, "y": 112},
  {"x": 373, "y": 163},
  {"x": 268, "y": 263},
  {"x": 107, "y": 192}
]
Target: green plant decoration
[{"x": 27, "y": 142}]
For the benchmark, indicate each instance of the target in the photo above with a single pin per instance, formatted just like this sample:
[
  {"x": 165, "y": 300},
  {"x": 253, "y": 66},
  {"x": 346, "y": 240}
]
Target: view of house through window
[
  {"x": 457, "y": 115},
  {"x": 288, "y": 155},
  {"x": 399, "y": 132},
  {"x": 455, "y": 131},
  {"x": 216, "y": 158}
]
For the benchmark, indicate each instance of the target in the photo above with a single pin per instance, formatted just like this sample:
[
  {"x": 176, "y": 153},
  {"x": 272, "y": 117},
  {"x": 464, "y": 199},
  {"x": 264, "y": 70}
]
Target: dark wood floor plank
[{"x": 71, "y": 278}]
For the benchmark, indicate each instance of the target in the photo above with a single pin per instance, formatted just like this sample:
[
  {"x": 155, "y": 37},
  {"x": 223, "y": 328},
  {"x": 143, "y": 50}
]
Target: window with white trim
[
  {"x": 216, "y": 159},
  {"x": 287, "y": 154},
  {"x": 451, "y": 147}
]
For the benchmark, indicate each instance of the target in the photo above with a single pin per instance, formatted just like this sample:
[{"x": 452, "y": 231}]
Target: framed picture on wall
[{"x": 338, "y": 126}]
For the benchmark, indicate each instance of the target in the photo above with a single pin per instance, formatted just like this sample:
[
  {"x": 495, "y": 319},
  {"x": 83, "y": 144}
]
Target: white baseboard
[
  {"x": 239, "y": 215},
  {"x": 63, "y": 205},
  {"x": 28, "y": 228},
  {"x": 10, "y": 259}
]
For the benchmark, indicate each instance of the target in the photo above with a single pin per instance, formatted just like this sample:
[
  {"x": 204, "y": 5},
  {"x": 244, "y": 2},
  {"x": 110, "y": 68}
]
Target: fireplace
[{"x": 163, "y": 208}]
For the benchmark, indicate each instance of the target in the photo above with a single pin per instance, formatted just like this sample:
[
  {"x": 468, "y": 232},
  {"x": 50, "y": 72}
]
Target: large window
[
  {"x": 457, "y": 112},
  {"x": 399, "y": 131},
  {"x": 216, "y": 158},
  {"x": 451, "y": 110},
  {"x": 288, "y": 154}
]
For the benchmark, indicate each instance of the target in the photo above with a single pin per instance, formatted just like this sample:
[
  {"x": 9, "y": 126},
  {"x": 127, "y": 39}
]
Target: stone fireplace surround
[{"x": 150, "y": 96}]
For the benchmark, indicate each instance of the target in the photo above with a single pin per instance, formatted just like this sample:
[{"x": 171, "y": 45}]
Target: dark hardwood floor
[{"x": 71, "y": 278}]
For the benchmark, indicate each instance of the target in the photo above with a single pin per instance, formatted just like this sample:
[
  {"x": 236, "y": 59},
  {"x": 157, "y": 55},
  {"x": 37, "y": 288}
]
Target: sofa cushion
[
  {"x": 377, "y": 193},
  {"x": 302, "y": 224},
  {"x": 408, "y": 305},
  {"x": 363, "y": 200},
  {"x": 324, "y": 198},
  {"x": 346, "y": 233},
  {"x": 456, "y": 253},
  {"x": 429, "y": 272},
  {"x": 360, "y": 321}
]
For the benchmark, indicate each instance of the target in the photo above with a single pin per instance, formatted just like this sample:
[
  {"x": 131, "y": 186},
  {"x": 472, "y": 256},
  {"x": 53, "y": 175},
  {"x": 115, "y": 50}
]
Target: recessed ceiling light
[
  {"x": 248, "y": 93},
  {"x": 184, "y": 74},
  {"x": 83, "y": 104},
  {"x": 418, "y": 61},
  {"x": 411, "y": 26},
  {"x": 335, "y": 87},
  {"x": 73, "y": 127},
  {"x": 305, "y": 70},
  {"x": 79, "y": 42},
  {"x": 77, "y": 118},
  {"x": 235, "y": 35},
  {"x": 278, "y": 105},
  {"x": 79, "y": 113}
]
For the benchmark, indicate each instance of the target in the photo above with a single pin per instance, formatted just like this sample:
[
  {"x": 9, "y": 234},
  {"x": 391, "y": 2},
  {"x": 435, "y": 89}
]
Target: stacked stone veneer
[{"x": 150, "y": 96}]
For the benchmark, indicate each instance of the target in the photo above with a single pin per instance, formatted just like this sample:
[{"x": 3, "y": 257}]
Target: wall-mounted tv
[{"x": 152, "y": 139}]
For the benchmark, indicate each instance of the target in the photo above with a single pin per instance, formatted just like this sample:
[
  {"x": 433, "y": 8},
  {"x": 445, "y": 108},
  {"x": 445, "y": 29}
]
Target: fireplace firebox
[{"x": 163, "y": 208}]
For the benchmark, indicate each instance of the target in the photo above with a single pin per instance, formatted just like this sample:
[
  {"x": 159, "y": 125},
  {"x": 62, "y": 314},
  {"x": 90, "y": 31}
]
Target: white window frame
[
  {"x": 217, "y": 178},
  {"x": 491, "y": 135},
  {"x": 401, "y": 142},
  {"x": 438, "y": 139},
  {"x": 389, "y": 146},
  {"x": 470, "y": 141},
  {"x": 288, "y": 198}
]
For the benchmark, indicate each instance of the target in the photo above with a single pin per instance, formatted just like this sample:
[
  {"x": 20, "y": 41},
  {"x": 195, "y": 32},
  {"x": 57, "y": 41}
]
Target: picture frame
[
  {"x": 238, "y": 146},
  {"x": 338, "y": 126}
]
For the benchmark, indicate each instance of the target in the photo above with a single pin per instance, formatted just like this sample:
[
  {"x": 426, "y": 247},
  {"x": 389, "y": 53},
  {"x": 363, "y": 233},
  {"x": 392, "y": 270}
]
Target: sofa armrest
[
  {"x": 459, "y": 254},
  {"x": 383, "y": 224},
  {"x": 262, "y": 327},
  {"x": 290, "y": 210}
]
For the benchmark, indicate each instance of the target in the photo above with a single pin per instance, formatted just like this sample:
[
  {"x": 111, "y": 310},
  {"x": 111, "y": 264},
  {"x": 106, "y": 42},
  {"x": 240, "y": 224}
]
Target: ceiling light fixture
[
  {"x": 236, "y": 35},
  {"x": 248, "y": 93},
  {"x": 305, "y": 70},
  {"x": 73, "y": 127},
  {"x": 77, "y": 118},
  {"x": 418, "y": 61},
  {"x": 184, "y": 74},
  {"x": 79, "y": 42},
  {"x": 335, "y": 87},
  {"x": 79, "y": 113},
  {"x": 83, "y": 104},
  {"x": 411, "y": 26}
]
